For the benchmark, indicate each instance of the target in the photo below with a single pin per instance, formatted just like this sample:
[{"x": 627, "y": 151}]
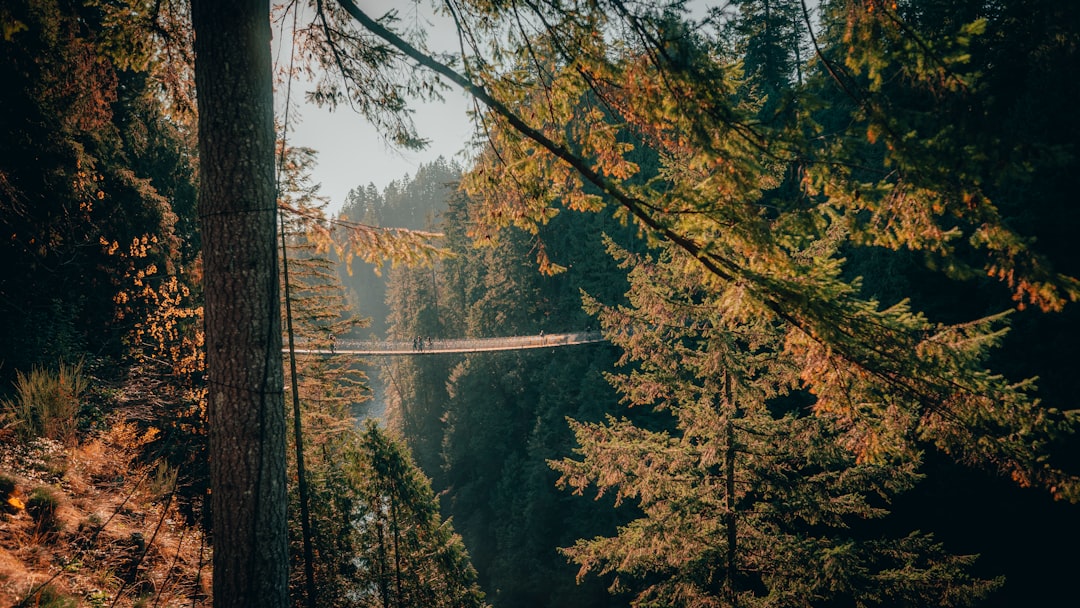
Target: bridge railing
[{"x": 420, "y": 345}]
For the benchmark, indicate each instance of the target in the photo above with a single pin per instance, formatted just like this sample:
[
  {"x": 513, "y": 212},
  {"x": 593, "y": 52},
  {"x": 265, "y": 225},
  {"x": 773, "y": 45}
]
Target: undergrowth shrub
[
  {"x": 110, "y": 456},
  {"x": 48, "y": 597},
  {"x": 45, "y": 403},
  {"x": 42, "y": 507},
  {"x": 163, "y": 481},
  {"x": 9, "y": 503}
]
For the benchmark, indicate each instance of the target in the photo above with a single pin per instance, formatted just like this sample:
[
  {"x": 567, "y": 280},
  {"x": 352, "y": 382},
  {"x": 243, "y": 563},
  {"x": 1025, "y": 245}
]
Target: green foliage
[
  {"x": 42, "y": 506},
  {"x": 317, "y": 303},
  {"x": 375, "y": 528},
  {"x": 483, "y": 425},
  {"x": 97, "y": 181},
  {"x": 46, "y": 403},
  {"x": 417, "y": 560},
  {"x": 923, "y": 147},
  {"x": 48, "y": 597},
  {"x": 328, "y": 388},
  {"x": 410, "y": 203},
  {"x": 744, "y": 499},
  {"x": 857, "y": 155}
]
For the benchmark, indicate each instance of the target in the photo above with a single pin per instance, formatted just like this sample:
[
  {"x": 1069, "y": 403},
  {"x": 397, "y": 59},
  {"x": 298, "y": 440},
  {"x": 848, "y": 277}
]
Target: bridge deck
[{"x": 390, "y": 348}]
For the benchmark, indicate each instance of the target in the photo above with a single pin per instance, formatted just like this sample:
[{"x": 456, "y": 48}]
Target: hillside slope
[{"x": 88, "y": 524}]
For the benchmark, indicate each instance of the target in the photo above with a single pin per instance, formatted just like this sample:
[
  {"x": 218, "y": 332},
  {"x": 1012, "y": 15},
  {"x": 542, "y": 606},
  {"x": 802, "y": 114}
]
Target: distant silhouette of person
[{"x": 333, "y": 344}]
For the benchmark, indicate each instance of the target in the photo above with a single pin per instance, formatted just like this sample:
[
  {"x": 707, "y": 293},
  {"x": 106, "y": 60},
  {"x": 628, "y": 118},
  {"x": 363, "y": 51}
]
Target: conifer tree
[
  {"x": 889, "y": 379},
  {"x": 330, "y": 389},
  {"x": 413, "y": 558},
  {"x": 745, "y": 498},
  {"x": 321, "y": 313},
  {"x": 483, "y": 425},
  {"x": 719, "y": 197},
  {"x": 377, "y": 535},
  {"x": 420, "y": 304}
]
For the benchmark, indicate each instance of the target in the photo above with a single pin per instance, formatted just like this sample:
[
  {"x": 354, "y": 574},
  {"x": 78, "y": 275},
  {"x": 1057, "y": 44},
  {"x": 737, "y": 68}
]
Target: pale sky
[{"x": 351, "y": 153}]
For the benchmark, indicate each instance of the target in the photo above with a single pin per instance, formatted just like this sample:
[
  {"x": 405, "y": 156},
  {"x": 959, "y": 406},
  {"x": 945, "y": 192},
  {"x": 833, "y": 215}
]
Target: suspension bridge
[{"x": 439, "y": 346}]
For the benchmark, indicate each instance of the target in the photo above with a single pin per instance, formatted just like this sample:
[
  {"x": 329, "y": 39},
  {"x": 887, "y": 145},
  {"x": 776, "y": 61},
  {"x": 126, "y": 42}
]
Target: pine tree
[
  {"x": 375, "y": 528},
  {"x": 482, "y": 425},
  {"x": 744, "y": 198},
  {"x": 414, "y": 559},
  {"x": 889, "y": 379},
  {"x": 745, "y": 498},
  {"x": 320, "y": 310},
  {"x": 330, "y": 391},
  {"x": 767, "y": 40}
]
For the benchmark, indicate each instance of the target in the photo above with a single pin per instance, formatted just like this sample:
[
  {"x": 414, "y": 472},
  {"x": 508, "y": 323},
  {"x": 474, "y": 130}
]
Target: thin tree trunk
[
  {"x": 384, "y": 566},
  {"x": 397, "y": 543},
  {"x": 729, "y": 499},
  {"x": 237, "y": 212}
]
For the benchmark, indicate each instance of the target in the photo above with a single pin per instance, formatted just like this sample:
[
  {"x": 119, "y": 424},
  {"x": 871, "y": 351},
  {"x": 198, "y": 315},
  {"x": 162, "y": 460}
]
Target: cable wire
[{"x": 301, "y": 474}]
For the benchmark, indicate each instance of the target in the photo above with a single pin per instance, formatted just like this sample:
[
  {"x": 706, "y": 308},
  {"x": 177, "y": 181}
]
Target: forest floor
[{"x": 89, "y": 524}]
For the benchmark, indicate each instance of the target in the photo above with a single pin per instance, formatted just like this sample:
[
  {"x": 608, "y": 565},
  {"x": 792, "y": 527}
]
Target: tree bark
[{"x": 237, "y": 214}]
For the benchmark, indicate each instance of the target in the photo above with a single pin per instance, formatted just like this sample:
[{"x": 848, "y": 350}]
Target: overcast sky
[{"x": 351, "y": 153}]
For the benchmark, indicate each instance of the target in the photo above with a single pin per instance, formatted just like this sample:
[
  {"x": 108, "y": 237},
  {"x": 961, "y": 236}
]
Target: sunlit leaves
[
  {"x": 742, "y": 498},
  {"x": 153, "y": 37},
  {"x": 934, "y": 193},
  {"x": 747, "y": 201},
  {"x": 349, "y": 239},
  {"x": 354, "y": 68}
]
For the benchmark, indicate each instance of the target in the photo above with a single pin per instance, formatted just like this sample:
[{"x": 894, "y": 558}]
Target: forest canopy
[
  {"x": 855, "y": 180},
  {"x": 829, "y": 244},
  {"x": 782, "y": 146}
]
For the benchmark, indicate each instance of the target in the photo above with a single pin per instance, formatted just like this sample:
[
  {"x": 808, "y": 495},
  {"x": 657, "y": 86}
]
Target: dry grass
[{"x": 103, "y": 546}]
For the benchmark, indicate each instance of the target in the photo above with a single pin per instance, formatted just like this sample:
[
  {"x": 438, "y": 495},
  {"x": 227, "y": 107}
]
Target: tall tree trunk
[
  {"x": 237, "y": 211},
  {"x": 732, "y": 412},
  {"x": 397, "y": 544},
  {"x": 384, "y": 565}
]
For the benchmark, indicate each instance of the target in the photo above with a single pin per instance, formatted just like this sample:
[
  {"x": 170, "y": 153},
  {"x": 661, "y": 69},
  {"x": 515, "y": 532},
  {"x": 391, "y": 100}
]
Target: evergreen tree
[
  {"x": 413, "y": 558},
  {"x": 328, "y": 388},
  {"x": 377, "y": 536},
  {"x": 746, "y": 500},
  {"x": 767, "y": 40},
  {"x": 96, "y": 185},
  {"x": 320, "y": 310},
  {"x": 719, "y": 198},
  {"x": 482, "y": 425},
  {"x": 889, "y": 380},
  {"x": 366, "y": 286},
  {"x": 412, "y": 203}
]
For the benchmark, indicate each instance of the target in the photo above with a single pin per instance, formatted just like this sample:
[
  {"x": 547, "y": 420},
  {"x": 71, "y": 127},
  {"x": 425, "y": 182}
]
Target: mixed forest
[{"x": 828, "y": 244}]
